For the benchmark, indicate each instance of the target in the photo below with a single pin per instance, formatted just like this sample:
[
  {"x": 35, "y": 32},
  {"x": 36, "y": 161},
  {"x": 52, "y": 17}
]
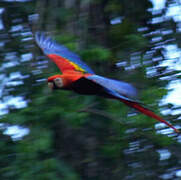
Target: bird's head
[{"x": 55, "y": 82}]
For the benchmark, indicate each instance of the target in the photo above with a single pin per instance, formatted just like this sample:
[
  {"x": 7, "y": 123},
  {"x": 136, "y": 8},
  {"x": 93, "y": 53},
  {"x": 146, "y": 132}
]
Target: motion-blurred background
[{"x": 62, "y": 135}]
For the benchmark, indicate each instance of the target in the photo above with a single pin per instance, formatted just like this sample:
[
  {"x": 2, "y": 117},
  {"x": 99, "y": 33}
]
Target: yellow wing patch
[{"x": 78, "y": 68}]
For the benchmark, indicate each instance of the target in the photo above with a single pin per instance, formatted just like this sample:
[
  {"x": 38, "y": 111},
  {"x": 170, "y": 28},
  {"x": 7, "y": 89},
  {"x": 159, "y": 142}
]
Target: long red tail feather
[{"x": 148, "y": 113}]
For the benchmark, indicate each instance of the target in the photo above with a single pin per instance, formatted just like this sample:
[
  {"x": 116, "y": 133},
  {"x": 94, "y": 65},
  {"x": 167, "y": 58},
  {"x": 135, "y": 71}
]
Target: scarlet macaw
[{"x": 78, "y": 77}]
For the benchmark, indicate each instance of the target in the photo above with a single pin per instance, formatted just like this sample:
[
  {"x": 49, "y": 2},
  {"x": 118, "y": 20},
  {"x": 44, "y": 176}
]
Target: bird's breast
[{"x": 70, "y": 78}]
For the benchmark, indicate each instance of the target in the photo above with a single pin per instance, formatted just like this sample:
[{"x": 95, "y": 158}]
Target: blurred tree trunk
[
  {"x": 47, "y": 11},
  {"x": 98, "y": 23}
]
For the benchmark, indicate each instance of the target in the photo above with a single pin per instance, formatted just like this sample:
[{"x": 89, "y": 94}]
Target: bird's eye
[{"x": 58, "y": 82}]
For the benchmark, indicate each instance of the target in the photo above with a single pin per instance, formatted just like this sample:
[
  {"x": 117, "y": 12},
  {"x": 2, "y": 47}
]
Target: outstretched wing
[
  {"x": 121, "y": 91},
  {"x": 60, "y": 55},
  {"x": 120, "y": 87}
]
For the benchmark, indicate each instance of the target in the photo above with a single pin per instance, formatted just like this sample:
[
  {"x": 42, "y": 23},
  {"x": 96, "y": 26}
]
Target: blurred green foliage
[
  {"x": 73, "y": 137},
  {"x": 96, "y": 54}
]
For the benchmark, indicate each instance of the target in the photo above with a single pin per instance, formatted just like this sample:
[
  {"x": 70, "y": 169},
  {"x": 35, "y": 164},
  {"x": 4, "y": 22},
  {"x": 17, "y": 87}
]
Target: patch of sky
[
  {"x": 33, "y": 17},
  {"x": 15, "y": 75},
  {"x": 3, "y": 109},
  {"x": 171, "y": 52},
  {"x": 164, "y": 154},
  {"x": 116, "y": 20},
  {"x": 14, "y": 83},
  {"x": 173, "y": 57},
  {"x": 16, "y": 132},
  {"x": 158, "y": 4},
  {"x": 16, "y": 28},
  {"x": 1, "y": 21},
  {"x": 174, "y": 94},
  {"x": 1, "y": 24},
  {"x": 178, "y": 173},
  {"x": 26, "y": 57},
  {"x": 174, "y": 12},
  {"x": 17, "y": 102},
  {"x": 26, "y": 39},
  {"x": 173, "y": 62}
]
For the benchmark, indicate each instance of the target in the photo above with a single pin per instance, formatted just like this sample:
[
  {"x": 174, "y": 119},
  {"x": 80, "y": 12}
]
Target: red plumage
[
  {"x": 149, "y": 113},
  {"x": 62, "y": 63}
]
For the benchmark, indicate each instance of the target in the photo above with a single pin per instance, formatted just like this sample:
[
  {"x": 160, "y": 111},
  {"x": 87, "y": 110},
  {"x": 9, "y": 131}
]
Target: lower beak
[{"x": 50, "y": 85}]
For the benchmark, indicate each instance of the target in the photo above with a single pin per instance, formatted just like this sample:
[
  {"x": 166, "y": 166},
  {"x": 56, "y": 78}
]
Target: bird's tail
[{"x": 148, "y": 112}]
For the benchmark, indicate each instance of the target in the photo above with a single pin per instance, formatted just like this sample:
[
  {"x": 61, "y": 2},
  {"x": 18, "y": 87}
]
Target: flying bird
[{"x": 80, "y": 78}]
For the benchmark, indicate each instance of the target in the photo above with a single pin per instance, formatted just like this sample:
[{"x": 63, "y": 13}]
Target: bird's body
[
  {"x": 69, "y": 77},
  {"x": 78, "y": 77}
]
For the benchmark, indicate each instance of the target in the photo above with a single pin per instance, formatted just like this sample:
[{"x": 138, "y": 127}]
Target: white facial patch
[{"x": 58, "y": 82}]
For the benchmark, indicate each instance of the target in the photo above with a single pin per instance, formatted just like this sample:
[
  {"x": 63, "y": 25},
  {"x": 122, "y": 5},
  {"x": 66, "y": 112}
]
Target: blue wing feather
[
  {"x": 117, "y": 88},
  {"x": 50, "y": 46}
]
